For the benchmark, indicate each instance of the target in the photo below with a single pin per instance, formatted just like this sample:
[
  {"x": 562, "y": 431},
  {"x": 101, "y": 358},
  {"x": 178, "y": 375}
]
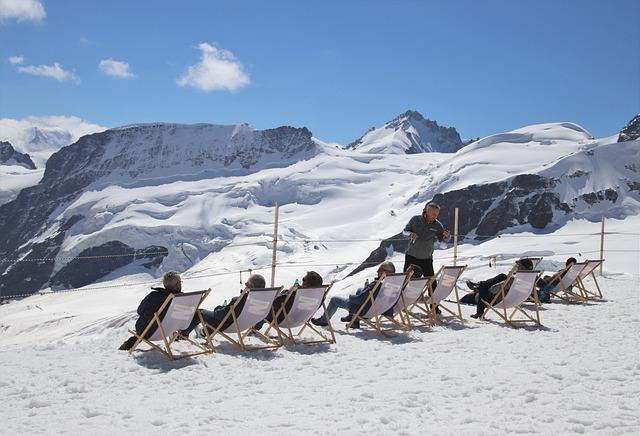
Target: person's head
[
  {"x": 417, "y": 271},
  {"x": 311, "y": 280},
  {"x": 431, "y": 211},
  {"x": 255, "y": 281},
  {"x": 570, "y": 261},
  {"x": 524, "y": 264},
  {"x": 172, "y": 281},
  {"x": 386, "y": 268}
]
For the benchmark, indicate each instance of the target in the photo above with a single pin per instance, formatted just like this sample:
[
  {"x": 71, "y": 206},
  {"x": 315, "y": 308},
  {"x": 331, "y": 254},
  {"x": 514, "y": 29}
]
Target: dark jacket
[
  {"x": 150, "y": 305},
  {"x": 427, "y": 233},
  {"x": 356, "y": 300}
]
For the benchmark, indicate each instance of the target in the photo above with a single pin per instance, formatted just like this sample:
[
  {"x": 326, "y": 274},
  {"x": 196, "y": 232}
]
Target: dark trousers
[
  {"x": 484, "y": 291},
  {"x": 425, "y": 264}
]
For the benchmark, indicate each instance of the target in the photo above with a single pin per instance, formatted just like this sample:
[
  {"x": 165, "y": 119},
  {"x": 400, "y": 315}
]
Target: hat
[
  {"x": 525, "y": 263},
  {"x": 170, "y": 280}
]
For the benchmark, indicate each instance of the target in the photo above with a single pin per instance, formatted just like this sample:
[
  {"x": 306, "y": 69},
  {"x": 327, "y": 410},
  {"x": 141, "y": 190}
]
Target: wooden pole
[
  {"x": 275, "y": 246},
  {"x": 601, "y": 244},
  {"x": 455, "y": 238}
]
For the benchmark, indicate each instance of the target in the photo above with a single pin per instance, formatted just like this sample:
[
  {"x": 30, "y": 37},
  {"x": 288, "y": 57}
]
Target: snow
[
  {"x": 15, "y": 178},
  {"x": 577, "y": 374}
]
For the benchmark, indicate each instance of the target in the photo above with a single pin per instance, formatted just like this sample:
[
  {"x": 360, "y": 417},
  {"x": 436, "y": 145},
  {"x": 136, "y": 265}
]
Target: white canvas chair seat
[
  {"x": 522, "y": 286},
  {"x": 589, "y": 270},
  {"x": 564, "y": 288},
  {"x": 384, "y": 296},
  {"x": 305, "y": 302},
  {"x": 411, "y": 293},
  {"x": 182, "y": 307},
  {"x": 258, "y": 302},
  {"x": 446, "y": 279}
]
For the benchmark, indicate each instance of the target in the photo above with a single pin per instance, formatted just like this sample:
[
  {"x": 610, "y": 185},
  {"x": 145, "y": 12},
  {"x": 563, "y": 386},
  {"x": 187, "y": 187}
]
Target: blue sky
[{"x": 336, "y": 67}]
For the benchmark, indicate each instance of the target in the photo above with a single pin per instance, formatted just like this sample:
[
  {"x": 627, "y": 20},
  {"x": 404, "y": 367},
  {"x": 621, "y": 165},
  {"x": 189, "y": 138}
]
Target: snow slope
[
  {"x": 15, "y": 178},
  {"x": 578, "y": 374}
]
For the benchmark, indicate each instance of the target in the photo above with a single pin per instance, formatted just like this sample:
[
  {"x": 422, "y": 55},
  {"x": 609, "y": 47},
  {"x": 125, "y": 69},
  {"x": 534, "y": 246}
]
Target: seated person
[
  {"x": 548, "y": 283},
  {"x": 214, "y": 317},
  {"x": 310, "y": 280},
  {"x": 353, "y": 302},
  {"x": 150, "y": 305},
  {"x": 488, "y": 289}
]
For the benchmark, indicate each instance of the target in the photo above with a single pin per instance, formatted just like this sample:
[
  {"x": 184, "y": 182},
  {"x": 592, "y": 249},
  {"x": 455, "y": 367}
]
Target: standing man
[{"x": 423, "y": 230}]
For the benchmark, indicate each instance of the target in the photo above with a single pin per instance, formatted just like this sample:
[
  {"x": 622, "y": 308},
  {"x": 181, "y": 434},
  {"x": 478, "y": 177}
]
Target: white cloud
[
  {"x": 115, "y": 68},
  {"x": 15, "y": 60},
  {"x": 218, "y": 70},
  {"x": 22, "y": 10},
  {"x": 42, "y": 136},
  {"x": 55, "y": 71}
]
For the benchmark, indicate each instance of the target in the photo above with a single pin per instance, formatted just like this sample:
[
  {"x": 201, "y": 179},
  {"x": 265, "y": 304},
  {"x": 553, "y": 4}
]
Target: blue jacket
[{"x": 356, "y": 300}]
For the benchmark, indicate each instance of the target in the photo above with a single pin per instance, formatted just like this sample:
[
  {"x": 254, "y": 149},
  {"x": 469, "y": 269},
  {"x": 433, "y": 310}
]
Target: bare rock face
[
  {"x": 129, "y": 154},
  {"x": 631, "y": 131},
  {"x": 9, "y": 156}
]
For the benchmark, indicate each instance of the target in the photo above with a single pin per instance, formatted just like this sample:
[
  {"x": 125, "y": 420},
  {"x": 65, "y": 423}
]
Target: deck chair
[
  {"x": 507, "y": 303},
  {"x": 564, "y": 290},
  {"x": 305, "y": 303},
  {"x": 180, "y": 312},
  {"x": 413, "y": 292},
  {"x": 258, "y": 303},
  {"x": 446, "y": 279},
  {"x": 382, "y": 297},
  {"x": 589, "y": 270},
  {"x": 447, "y": 282},
  {"x": 536, "y": 261}
]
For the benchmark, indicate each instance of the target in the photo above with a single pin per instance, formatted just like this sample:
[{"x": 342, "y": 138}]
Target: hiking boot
[
  {"x": 347, "y": 318},
  {"x": 476, "y": 315},
  {"x": 319, "y": 322},
  {"x": 355, "y": 325},
  {"x": 126, "y": 345}
]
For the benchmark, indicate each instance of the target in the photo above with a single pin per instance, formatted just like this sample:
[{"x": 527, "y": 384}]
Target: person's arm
[
  {"x": 443, "y": 234},
  {"x": 409, "y": 230}
]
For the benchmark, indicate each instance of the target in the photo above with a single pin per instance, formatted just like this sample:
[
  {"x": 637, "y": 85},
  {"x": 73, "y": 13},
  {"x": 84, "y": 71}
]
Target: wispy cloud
[
  {"x": 115, "y": 68},
  {"x": 15, "y": 60},
  {"x": 22, "y": 10},
  {"x": 218, "y": 70},
  {"x": 54, "y": 71}
]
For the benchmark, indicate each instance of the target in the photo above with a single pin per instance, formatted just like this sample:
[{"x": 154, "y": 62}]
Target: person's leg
[
  {"x": 484, "y": 292},
  {"x": 427, "y": 267},
  {"x": 336, "y": 303},
  {"x": 408, "y": 260}
]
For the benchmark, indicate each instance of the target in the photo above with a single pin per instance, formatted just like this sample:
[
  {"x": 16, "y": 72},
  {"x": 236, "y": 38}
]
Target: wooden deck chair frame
[
  {"x": 567, "y": 295},
  {"x": 508, "y": 314},
  {"x": 375, "y": 322},
  {"x": 590, "y": 295},
  {"x": 167, "y": 350},
  {"x": 407, "y": 314},
  {"x": 271, "y": 344},
  {"x": 288, "y": 333},
  {"x": 434, "y": 319}
]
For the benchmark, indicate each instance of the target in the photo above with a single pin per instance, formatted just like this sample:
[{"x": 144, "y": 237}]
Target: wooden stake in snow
[
  {"x": 602, "y": 244},
  {"x": 275, "y": 246},
  {"x": 455, "y": 238}
]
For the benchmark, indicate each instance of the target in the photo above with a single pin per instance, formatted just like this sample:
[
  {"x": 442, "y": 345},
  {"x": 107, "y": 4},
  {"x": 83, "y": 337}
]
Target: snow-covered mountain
[
  {"x": 40, "y": 137},
  {"x": 631, "y": 131},
  {"x": 409, "y": 133},
  {"x": 168, "y": 196}
]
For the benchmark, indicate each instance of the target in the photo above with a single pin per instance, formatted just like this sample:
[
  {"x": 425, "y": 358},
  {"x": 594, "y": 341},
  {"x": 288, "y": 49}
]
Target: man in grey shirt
[{"x": 423, "y": 230}]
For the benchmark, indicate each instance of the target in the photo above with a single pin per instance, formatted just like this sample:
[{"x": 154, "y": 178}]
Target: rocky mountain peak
[
  {"x": 9, "y": 156},
  {"x": 631, "y": 131}
]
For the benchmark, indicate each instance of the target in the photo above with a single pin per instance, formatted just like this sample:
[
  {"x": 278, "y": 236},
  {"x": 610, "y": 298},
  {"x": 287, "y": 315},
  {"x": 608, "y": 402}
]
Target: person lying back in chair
[
  {"x": 548, "y": 283},
  {"x": 214, "y": 317},
  {"x": 353, "y": 302},
  {"x": 151, "y": 303},
  {"x": 487, "y": 289},
  {"x": 310, "y": 280}
]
